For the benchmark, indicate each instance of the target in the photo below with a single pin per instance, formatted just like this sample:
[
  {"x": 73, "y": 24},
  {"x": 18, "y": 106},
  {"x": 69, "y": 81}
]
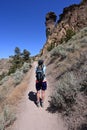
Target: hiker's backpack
[{"x": 40, "y": 73}]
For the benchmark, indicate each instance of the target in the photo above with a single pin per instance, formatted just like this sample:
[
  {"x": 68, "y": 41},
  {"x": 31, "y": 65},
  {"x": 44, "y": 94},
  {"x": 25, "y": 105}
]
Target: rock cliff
[{"x": 73, "y": 18}]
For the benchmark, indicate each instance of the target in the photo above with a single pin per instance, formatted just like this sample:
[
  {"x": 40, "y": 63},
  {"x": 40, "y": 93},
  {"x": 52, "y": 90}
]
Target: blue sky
[{"x": 22, "y": 23}]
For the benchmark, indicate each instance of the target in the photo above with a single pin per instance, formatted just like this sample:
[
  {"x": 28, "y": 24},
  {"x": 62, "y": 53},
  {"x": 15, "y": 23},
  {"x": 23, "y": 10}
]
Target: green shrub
[
  {"x": 25, "y": 67},
  {"x": 18, "y": 60},
  {"x": 12, "y": 70},
  {"x": 50, "y": 47},
  {"x": 4, "y": 80},
  {"x": 7, "y": 117},
  {"x": 2, "y": 76},
  {"x": 62, "y": 40},
  {"x": 8, "y": 114},
  {"x": 69, "y": 34},
  {"x": 18, "y": 76},
  {"x": 65, "y": 94},
  {"x": 59, "y": 51}
]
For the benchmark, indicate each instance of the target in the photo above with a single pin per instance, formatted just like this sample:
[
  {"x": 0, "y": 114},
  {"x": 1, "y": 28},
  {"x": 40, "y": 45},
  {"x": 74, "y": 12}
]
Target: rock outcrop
[
  {"x": 50, "y": 23},
  {"x": 73, "y": 17}
]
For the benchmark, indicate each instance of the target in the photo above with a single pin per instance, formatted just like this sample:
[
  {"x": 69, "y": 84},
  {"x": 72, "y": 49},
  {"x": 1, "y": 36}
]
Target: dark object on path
[{"x": 32, "y": 96}]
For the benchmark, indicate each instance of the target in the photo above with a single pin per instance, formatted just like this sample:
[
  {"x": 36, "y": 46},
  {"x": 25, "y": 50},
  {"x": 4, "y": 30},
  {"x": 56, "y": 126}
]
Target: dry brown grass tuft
[{"x": 18, "y": 92}]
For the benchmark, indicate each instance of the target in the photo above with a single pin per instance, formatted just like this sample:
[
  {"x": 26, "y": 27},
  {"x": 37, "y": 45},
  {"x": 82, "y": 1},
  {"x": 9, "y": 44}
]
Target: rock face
[
  {"x": 50, "y": 22},
  {"x": 73, "y": 17}
]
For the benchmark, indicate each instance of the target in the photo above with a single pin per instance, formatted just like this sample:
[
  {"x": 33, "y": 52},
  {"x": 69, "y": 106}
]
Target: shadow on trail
[
  {"x": 51, "y": 108},
  {"x": 32, "y": 96}
]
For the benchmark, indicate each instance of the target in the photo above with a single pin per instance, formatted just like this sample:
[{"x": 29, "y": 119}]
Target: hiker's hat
[{"x": 40, "y": 62}]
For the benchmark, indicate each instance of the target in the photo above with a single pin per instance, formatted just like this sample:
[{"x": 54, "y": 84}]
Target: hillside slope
[{"x": 67, "y": 71}]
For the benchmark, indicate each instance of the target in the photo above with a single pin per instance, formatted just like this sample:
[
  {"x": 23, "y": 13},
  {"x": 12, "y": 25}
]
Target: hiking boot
[
  {"x": 38, "y": 104},
  {"x": 42, "y": 104}
]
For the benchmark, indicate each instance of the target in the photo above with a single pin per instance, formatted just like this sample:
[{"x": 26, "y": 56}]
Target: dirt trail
[{"x": 30, "y": 117}]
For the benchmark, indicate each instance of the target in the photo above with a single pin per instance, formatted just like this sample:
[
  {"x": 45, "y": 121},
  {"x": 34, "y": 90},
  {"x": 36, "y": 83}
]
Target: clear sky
[{"x": 22, "y": 23}]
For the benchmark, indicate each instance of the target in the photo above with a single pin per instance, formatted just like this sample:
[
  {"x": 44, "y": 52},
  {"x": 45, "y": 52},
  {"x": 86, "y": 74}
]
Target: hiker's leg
[
  {"x": 43, "y": 95},
  {"x": 44, "y": 87},
  {"x": 38, "y": 96},
  {"x": 38, "y": 91},
  {"x": 42, "y": 98}
]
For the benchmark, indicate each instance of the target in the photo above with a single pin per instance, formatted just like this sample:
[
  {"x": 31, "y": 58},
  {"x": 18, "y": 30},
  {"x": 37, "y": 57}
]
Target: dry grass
[
  {"x": 10, "y": 95},
  {"x": 19, "y": 91}
]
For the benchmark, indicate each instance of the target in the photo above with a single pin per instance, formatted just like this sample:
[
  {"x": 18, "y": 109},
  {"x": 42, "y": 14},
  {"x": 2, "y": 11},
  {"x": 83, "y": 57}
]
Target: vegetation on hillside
[
  {"x": 69, "y": 61},
  {"x": 19, "y": 59},
  {"x": 68, "y": 36},
  {"x": 10, "y": 88}
]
